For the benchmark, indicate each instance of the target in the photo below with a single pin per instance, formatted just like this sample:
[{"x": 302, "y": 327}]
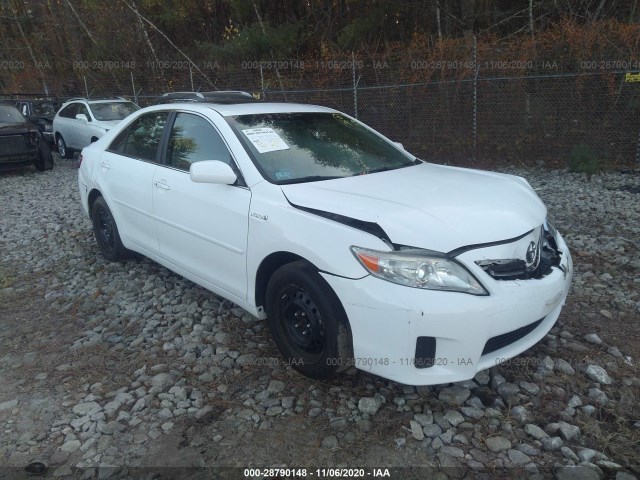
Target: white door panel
[
  {"x": 203, "y": 227},
  {"x": 129, "y": 184}
]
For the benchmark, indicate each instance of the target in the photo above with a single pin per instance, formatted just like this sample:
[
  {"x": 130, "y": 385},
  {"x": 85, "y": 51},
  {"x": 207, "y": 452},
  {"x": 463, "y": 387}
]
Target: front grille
[
  {"x": 12, "y": 144},
  {"x": 501, "y": 341},
  {"x": 516, "y": 269}
]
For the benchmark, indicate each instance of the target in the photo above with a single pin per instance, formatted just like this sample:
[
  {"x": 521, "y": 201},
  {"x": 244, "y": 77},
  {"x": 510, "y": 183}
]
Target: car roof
[
  {"x": 218, "y": 96},
  {"x": 227, "y": 110},
  {"x": 101, "y": 100},
  {"x": 109, "y": 100}
]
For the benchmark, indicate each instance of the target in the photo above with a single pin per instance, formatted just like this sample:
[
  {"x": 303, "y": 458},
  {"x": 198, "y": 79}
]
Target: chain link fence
[
  {"x": 532, "y": 120},
  {"x": 462, "y": 114}
]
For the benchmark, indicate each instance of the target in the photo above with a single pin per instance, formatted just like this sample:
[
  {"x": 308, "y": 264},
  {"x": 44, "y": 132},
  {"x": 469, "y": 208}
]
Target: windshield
[
  {"x": 10, "y": 115},
  {"x": 44, "y": 109},
  {"x": 310, "y": 146},
  {"x": 112, "y": 110}
]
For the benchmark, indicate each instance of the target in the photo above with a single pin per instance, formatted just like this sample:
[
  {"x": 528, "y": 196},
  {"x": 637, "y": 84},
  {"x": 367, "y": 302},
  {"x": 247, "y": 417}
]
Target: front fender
[{"x": 276, "y": 226}]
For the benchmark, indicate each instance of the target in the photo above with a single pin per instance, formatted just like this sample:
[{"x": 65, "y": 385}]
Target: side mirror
[
  {"x": 212, "y": 171},
  {"x": 82, "y": 116},
  {"x": 399, "y": 145}
]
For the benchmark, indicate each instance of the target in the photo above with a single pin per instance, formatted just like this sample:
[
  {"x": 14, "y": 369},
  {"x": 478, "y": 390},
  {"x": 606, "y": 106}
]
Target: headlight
[
  {"x": 48, "y": 127},
  {"x": 34, "y": 139},
  {"x": 419, "y": 269}
]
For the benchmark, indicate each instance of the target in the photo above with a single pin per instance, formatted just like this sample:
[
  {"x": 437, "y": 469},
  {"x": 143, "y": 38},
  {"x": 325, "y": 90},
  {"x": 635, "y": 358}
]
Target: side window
[
  {"x": 142, "y": 138},
  {"x": 193, "y": 139},
  {"x": 69, "y": 111},
  {"x": 84, "y": 110}
]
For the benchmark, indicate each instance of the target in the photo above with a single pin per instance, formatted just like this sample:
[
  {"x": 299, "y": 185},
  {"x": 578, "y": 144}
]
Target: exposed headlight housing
[
  {"x": 550, "y": 233},
  {"x": 34, "y": 139},
  {"x": 550, "y": 227},
  {"x": 48, "y": 127},
  {"x": 419, "y": 269}
]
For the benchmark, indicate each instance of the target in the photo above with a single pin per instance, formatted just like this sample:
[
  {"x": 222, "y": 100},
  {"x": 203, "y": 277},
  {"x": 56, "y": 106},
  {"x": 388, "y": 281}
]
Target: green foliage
[
  {"x": 243, "y": 10},
  {"x": 583, "y": 159},
  {"x": 252, "y": 43},
  {"x": 359, "y": 31}
]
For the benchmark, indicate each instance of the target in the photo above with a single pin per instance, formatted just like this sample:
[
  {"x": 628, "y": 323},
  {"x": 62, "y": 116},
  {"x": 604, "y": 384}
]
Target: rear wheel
[
  {"x": 62, "y": 148},
  {"x": 307, "y": 321},
  {"x": 106, "y": 231}
]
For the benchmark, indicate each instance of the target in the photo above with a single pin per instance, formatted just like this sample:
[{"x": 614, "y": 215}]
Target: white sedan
[{"x": 355, "y": 252}]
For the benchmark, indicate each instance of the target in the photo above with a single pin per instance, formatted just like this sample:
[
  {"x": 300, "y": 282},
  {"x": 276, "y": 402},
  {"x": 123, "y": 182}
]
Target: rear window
[
  {"x": 109, "y": 111},
  {"x": 44, "y": 109}
]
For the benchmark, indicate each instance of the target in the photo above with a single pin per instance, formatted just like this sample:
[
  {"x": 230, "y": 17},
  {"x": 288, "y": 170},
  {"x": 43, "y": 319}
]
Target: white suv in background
[{"x": 80, "y": 121}]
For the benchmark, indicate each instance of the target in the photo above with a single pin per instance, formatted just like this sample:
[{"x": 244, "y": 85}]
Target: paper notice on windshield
[{"x": 265, "y": 140}]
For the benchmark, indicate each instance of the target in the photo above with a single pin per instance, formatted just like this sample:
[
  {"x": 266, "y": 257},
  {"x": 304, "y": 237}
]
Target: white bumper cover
[{"x": 387, "y": 319}]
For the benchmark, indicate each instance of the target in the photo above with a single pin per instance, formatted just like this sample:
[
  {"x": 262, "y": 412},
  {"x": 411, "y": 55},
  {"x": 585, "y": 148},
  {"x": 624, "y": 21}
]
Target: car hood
[
  {"x": 430, "y": 206},
  {"x": 16, "y": 128},
  {"x": 108, "y": 124}
]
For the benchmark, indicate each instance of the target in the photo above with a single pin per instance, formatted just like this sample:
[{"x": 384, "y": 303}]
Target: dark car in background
[
  {"x": 40, "y": 112},
  {"x": 21, "y": 142}
]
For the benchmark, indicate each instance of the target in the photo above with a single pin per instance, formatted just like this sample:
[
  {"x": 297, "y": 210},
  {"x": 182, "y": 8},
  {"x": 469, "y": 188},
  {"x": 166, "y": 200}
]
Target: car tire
[
  {"x": 106, "y": 231},
  {"x": 307, "y": 321},
  {"x": 45, "y": 158},
  {"x": 62, "y": 148}
]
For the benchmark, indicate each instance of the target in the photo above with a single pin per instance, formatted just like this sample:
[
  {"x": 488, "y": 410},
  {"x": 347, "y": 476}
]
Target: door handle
[
  {"x": 162, "y": 185},
  {"x": 105, "y": 165}
]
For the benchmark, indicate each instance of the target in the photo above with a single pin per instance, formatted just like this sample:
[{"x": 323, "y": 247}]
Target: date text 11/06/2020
[
  {"x": 317, "y": 472},
  {"x": 369, "y": 361},
  {"x": 408, "y": 361}
]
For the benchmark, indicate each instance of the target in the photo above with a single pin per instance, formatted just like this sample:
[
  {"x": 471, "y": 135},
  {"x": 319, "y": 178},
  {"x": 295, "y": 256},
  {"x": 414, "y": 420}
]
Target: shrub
[{"x": 583, "y": 159}]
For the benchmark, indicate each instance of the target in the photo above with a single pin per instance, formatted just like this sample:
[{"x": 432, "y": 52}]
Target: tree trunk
[
  {"x": 468, "y": 17},
  {"x": 438, "y": 21}
]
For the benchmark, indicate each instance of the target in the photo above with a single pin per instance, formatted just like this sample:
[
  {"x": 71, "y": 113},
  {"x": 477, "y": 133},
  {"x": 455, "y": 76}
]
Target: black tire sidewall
[
  {"x": 45, "y": 158},
  {"x": 119, "y": 251},
  {"x": 303, "y": 275}
]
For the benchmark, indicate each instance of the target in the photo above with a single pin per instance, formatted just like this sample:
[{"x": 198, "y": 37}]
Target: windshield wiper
[
  {"x": 385, "y": 169},
  {"x": 311, "y": 178}
]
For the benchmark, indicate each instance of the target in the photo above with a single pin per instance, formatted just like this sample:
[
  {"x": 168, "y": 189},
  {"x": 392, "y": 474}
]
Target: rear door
[
  {"x": 202, "y": 228},
  {"x": 126, "y": 171},
  {"x": 64, "y": 122}
]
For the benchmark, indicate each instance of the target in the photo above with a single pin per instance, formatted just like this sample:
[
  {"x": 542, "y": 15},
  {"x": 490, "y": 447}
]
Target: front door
[{"x": 202, "y": 228}]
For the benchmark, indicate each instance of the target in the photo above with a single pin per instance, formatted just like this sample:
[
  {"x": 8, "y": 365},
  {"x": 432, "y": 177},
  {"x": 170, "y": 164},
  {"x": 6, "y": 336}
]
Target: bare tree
[
  {"x": 145, "y": 19},
  {"x": 84, "y": 27}
]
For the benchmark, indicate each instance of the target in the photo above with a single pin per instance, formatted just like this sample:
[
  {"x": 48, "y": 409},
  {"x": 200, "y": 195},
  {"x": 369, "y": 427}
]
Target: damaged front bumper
[{"x": 422, "y": 337}]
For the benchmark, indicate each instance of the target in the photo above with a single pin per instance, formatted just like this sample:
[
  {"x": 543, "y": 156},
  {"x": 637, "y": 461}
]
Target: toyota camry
[{"x": 355, "y": 252}]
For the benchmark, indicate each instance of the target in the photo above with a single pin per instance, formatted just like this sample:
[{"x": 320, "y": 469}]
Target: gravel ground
[{"x": 108, "y": 368}]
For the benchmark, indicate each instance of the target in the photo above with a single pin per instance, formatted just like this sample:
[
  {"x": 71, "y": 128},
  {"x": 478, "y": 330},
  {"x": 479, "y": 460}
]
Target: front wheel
[
  {"x": 307, "y": 321},
  {"x": 45, "y": 158},
  {"x": 106, "y": 231}
]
